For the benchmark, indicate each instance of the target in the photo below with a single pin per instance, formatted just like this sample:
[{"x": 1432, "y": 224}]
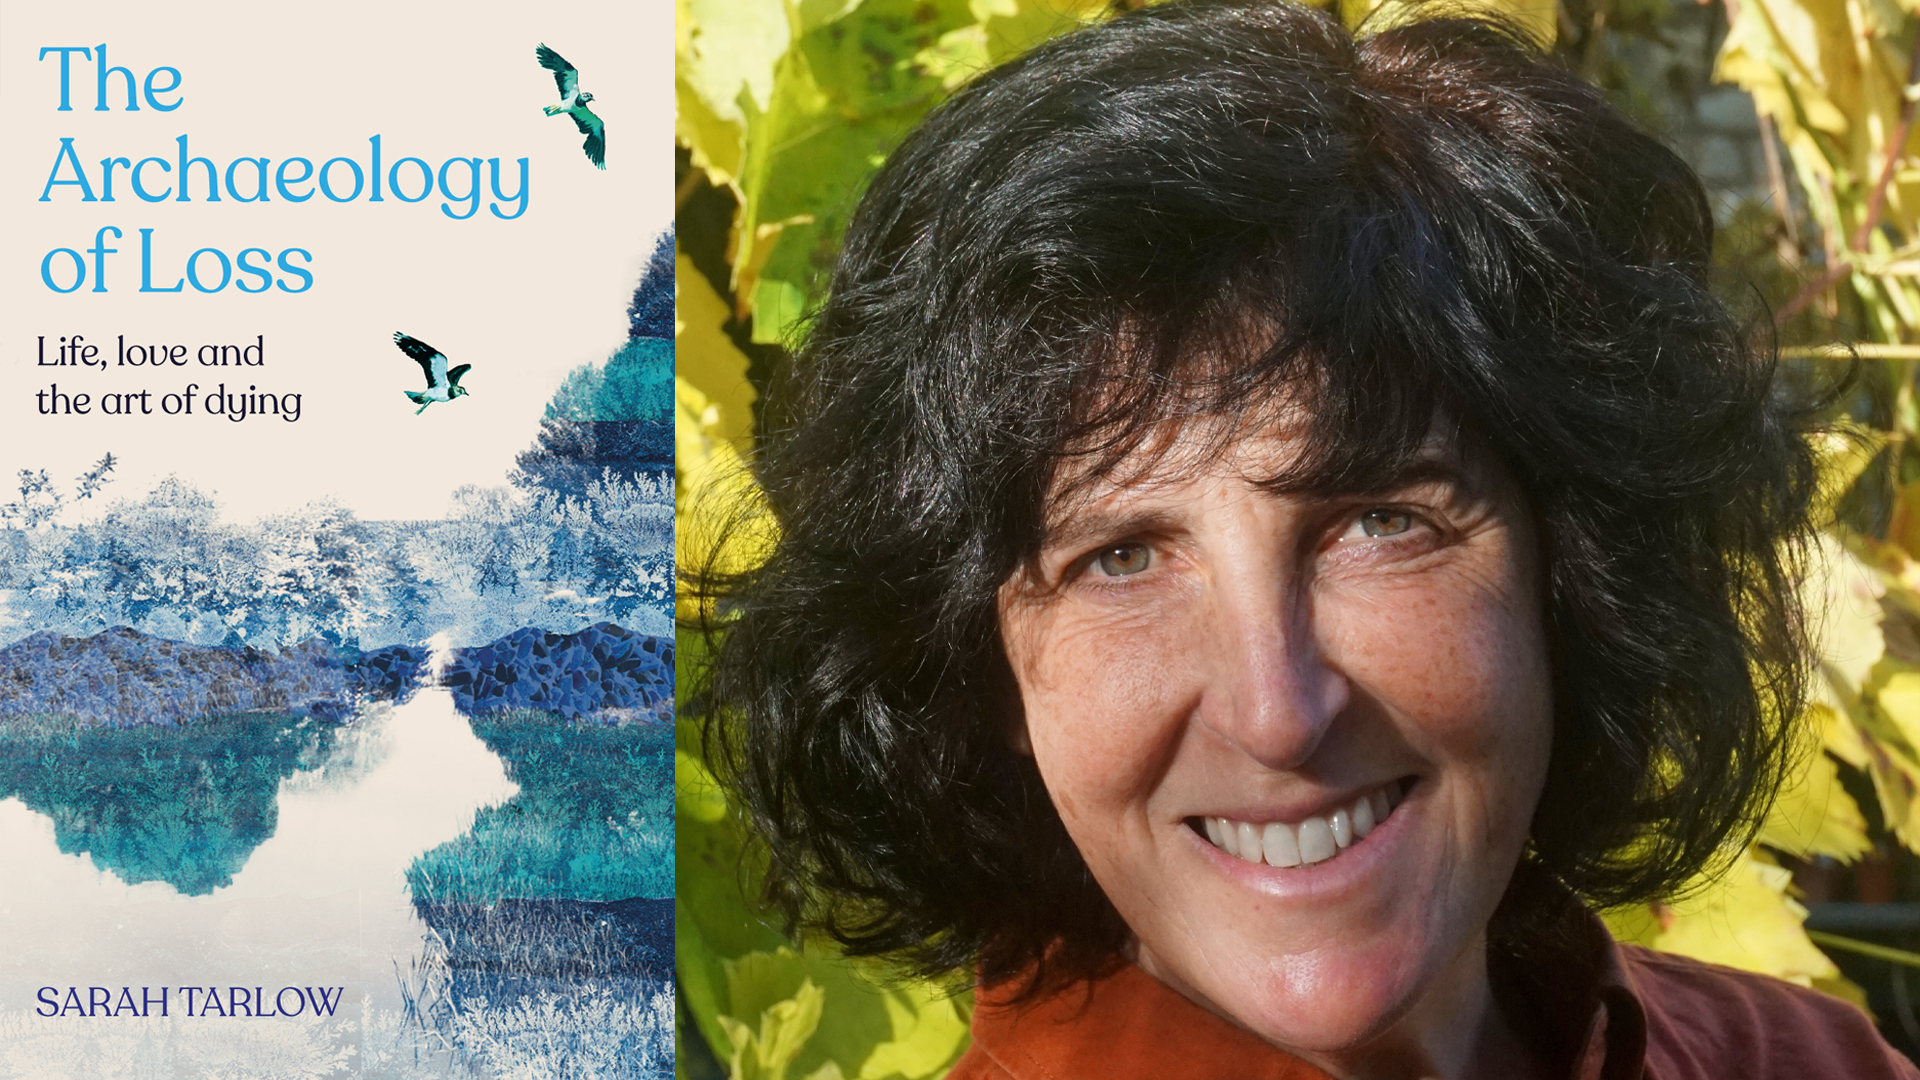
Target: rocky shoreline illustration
[{"x": 122, "y": 677}]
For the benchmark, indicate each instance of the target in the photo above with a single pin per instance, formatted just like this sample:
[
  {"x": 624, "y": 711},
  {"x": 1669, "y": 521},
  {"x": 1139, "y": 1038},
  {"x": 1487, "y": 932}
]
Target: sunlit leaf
[
  {"x": 696, "y": 796},
  {"x": 785, "y": 1027},
  {"x": 1830, "y": 75},
  {"x": 1539, "y": 18},
  {"x": 709, "y": 362},
  {"x": 1843, "y": 454},
  {"x": 1743, "y": 920},
  {"x": 845, "y": 92},
  {"x": 716, "y": 915},
  {"x": 1814, "y": 815},
  {"x": 1843, "y": 596},
  {"x": 1890, "y": 729},
  {"x": 870, "y": 1030},
  {"x": 723, "y": 66}
]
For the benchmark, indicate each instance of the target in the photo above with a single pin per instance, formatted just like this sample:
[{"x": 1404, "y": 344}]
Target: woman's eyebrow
[
  {"x": 1438, "y": 467},
  {"x": 1091, "y": 525}
]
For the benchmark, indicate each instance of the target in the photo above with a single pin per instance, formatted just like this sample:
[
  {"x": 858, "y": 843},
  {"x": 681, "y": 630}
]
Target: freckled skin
[{"x": 1273, "y": 658}]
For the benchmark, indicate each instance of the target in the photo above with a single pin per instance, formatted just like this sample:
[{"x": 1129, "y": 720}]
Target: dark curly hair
[{"x": 1433, "y": 221}]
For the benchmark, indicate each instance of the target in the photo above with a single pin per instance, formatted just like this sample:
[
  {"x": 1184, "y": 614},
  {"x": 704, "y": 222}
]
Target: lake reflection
[{"x": 320, "y": 901}]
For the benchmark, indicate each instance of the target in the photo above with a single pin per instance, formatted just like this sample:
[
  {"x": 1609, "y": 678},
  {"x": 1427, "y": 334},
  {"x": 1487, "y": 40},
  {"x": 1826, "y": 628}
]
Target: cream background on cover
[{"x": 522, "y": 301}]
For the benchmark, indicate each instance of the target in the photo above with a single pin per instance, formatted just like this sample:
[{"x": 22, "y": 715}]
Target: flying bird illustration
[
  {"x": 443, "y": 383},
  {"x": 573, "y": 102}
]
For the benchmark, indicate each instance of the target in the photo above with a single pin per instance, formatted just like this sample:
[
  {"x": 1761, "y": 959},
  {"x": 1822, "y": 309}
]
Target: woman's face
[{"x": 1217, "y": 679}]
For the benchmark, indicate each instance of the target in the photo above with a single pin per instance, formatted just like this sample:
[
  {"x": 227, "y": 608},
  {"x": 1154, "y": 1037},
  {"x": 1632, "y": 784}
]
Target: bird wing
[
  {"x": 564, "y": 74},
  {"x": 596, "y": 132},
  {"x": 453, "y": 374},
  {"x": 433, "y": 363}
]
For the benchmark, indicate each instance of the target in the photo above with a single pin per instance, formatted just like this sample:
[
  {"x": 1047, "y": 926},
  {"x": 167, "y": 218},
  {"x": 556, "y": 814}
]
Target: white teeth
[
  {"x": 1249, "y": 846},
  {"x": 1277, "y": 841},
  {"x": 1342, "y": 826},
  {"x": 1362, "y": 817},
  {"x": 1316, "y": 839}
]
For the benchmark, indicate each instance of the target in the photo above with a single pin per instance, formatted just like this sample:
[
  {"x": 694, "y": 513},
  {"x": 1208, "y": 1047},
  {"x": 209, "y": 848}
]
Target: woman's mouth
[{"x": 1311, "y": 840}]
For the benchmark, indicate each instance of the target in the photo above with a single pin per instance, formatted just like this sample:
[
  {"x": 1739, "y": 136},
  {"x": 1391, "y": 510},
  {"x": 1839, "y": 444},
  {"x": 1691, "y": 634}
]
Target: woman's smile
[
  {"x": 1303, "y": 840},
  {"x": 1298, "y": 738}
]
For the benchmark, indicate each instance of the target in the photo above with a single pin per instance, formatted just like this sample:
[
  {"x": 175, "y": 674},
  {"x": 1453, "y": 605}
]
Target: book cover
[{"x": 336, "y": 580}]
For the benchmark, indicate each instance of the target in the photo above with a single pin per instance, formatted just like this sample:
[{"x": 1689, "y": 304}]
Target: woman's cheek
[
  {"x": 1104, "y": 696},
  {"x": 1454, "y": 654}
]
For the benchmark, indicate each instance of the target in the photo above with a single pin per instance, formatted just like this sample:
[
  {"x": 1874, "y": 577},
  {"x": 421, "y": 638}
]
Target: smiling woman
[
  {"x": 1272, "y": 526},
  {"x": 1297, "y": 737}
]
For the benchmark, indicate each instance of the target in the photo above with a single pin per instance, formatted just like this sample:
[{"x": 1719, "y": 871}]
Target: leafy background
[{"x": 1799, "y": 116}]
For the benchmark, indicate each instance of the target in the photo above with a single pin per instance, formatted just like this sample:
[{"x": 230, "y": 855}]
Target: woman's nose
[{"x": 1271, "y": 692}]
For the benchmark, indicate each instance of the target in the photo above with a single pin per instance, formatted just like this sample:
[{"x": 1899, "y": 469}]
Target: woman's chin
[
  {"x": 1324, "y": 1011},
  {"x": 1328, "y": 1001}
]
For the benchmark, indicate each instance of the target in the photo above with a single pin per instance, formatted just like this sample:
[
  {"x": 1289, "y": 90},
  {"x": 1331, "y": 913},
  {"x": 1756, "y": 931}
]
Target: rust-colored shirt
[{"x": 1595, "y": 1011}]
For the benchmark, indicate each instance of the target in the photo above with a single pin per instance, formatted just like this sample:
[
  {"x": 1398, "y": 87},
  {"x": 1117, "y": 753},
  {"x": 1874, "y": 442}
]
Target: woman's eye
[
  {"x": 1385, "y": 522},
  {"x": 1122, "y": 560}
]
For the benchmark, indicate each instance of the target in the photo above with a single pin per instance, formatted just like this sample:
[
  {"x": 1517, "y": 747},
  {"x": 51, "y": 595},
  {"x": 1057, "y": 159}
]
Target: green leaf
[
  {"x": 725, "y": 56},
  {"x": 716, "y": 913},
  {"x": 843, "y": 94},
  {"x": 697, "y": 797},
  {"x": 785, "y": 1026},
  {"x": 867, "y": 1029},
  {"x": 777, "y": 308}
]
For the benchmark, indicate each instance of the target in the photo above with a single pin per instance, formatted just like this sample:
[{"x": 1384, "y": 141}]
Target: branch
[
  {"x": 1834, "y": 275},
  {"x": 1896, "y": 149},
  {"x": 1876, "y": 202}
]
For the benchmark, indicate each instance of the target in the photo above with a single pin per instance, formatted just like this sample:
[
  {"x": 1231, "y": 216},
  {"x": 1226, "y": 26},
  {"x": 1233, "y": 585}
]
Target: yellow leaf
[
  {"x": 1845, "y": 989},
  {"x": 1843, "y": 454},
  {"x": 696, "y": 795},
  {"x": 722, "y": 526},
  {"x": 1842, "y": 596},
  {"x": 930, "y": 1032},
  {"x": 729, "y": 49},
  {"x": 1003, "y": 29},
  {"x": 720, "y": 521},
  {"x": 1830, "y": 74},
  {"x": 1539, "y": 18},
  {"x": 1888, "y": 728},
  {"x": 798, "y": 106},
  {"x": 1014, "y": 26},
  {"x": 707, "y": 360},
  {"x": 785, "y": 1027},
  {"x": 957, "y": 56},
  {"x": 1839, "y": 735},
  {"x": 725, "y": 56},
  {"x": 714, "y": 141},
  {"x": 1746, "y": 920},
  {"x": 1814, "y": 815},
  {"x": 1903, "y": 526},
  {"x": 868, "y": 1030},
  {"x": 1898, "y": 700},
  {"x": 1636, "y": 925}
]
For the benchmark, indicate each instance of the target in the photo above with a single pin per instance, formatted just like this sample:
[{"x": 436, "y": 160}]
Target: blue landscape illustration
[{"x": 407, "y": 781}]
